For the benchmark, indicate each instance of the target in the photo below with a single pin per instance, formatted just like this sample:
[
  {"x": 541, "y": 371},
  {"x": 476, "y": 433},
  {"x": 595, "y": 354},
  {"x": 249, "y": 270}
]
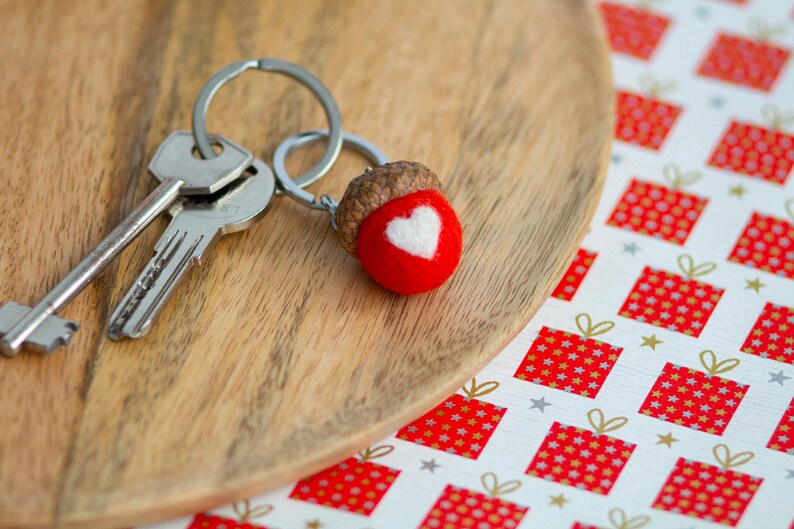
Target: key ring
[
  {"x": 290, "y": 186},
  {"x": 394, "y": 218},
  {"x": 266, "y": 64}
]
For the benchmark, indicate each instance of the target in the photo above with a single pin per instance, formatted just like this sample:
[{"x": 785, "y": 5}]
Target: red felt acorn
[{"x": 396, "y": 220}]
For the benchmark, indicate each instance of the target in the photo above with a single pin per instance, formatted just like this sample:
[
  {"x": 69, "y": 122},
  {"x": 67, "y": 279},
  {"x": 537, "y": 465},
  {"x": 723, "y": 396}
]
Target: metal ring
[
  {"x": 292, "y": 188},
  {"x": 227, "y": 73}
]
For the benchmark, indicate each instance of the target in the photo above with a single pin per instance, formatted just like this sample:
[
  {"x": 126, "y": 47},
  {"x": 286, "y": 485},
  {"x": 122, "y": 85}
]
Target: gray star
[
  {"x": 616, "y": 158},
  {"x": 430, "y": 465},
  {"x": 778, "y": 377},
  {"x": 631, "y": 248},
  {"x": 717, "y": 102},
  {"x": 539, "y": 404},
  {"x": 790, "y": 472},
  {"x": 702, "y": 12}
]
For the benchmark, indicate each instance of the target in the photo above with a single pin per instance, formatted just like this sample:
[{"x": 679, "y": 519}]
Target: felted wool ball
[{"x": 396, "y": 220}]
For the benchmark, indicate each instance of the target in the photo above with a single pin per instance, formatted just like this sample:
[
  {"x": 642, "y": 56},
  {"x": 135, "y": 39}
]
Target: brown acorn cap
[{"x": 369, "y": 191}]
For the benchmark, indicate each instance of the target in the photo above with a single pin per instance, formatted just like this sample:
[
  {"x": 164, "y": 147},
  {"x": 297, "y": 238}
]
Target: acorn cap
[{"x": 369, "y": 191}]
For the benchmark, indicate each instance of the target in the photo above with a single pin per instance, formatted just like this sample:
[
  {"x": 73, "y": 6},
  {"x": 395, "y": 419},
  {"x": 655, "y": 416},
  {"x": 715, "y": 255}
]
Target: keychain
[{"x": 394, "y": 217}]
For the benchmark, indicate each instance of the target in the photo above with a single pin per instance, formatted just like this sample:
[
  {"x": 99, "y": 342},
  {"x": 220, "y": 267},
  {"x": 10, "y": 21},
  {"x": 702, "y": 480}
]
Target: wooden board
[{"x": 279, "y": 356}]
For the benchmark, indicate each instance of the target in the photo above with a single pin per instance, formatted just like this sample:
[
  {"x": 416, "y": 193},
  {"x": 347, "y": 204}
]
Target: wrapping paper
[{"x": 655, "y": 388}]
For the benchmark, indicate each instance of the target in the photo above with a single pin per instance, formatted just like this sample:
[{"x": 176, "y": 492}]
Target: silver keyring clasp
[
  {"x": 227, "y": 73},
  {"x": 292, "y": 188}
]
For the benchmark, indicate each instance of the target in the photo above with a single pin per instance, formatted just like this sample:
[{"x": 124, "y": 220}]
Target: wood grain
[{"x": 278, "y": 356}]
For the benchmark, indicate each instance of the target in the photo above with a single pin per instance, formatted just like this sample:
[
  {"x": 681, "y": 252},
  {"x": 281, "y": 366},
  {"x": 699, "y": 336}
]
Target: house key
[
  {"x": 196, "y": 224},
  {"x": 180, "y": 173}
]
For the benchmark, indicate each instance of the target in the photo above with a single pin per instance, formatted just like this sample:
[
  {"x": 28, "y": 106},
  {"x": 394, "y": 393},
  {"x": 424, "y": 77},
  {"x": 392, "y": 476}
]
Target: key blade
[
  {"x": 51, "y": 334},
  {"x": 175, "y": 255}
]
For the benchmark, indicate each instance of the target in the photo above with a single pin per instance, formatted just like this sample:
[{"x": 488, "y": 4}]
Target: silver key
[
  {"x": 195, "y": 226},
  {"x": 180, "y": 173}
]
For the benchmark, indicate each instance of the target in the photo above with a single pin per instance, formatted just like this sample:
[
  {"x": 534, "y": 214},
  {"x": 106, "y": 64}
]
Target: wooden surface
[{"x": 278, "y": 356}]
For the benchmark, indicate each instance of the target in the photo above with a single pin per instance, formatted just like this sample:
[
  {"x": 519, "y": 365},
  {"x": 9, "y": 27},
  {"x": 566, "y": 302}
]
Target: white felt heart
[{"x": 417, "y": 234}]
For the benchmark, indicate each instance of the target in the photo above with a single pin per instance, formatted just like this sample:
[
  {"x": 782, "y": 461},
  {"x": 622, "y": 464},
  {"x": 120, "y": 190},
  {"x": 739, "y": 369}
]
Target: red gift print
[
  {"x": 460, "y": 508},
  {"x": 581, "y": 458},
  {"x": 767, "y": 243},
  {"x": 645, "y": 120},
  {"x": 244, "y": 514},
  {"x": 460, "y": 425},
  {"x": 697, "y": 400},
  {"x": 635, "y": 31},
  {"x": 574, "y": 276},
  {"x": 676, "y": 303},
  {"x": 772, "y": 336},
  {"x": 354, "y": 485},
  {"x": 755, "y": 150},
  {"x": 658, "y": 211},
  {"x": 574, "y": 363},
  {"x": 618, "y": 520},
  {"x": 714, "y": 493},
  {"x": 753, "y": 62},
  {"x": 782, "y": 438}
]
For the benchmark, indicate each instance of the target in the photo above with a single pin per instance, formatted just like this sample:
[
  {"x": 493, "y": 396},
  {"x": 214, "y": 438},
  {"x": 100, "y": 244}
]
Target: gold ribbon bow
[
  {"x": 723, "y": 455},
  {"x": 588, "y": 330},
  {"x": 245, "y": 513},
  {"x": 654, "y": 87},
  {"x": 709, "y": 361},
  {"x": 678, "y": 179},
  {"x": 690, "y": 270},
  {"x": 599, "y": 423},
  {"x": 495, "y": 489},
  {"x": 775, "y": 117},
  {"x": 619, "y": 520},
  {"x": 763, "y": 31},
  {"x": 368, "y": 454},
  {"x": 478, "y": 390}
]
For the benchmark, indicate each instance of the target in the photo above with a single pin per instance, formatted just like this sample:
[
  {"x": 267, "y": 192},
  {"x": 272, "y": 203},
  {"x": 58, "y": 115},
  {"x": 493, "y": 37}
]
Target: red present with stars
[
  {"x": 354, "y": 485},
  {"x": 581, "y": 458},
  {"x": 631, "y": 30},
  {"x": 644, "y": 120},
  {"x": 694, "y": 399},
  {"x": 782, "y": 438},
  {"x": 659, "y": 211},
  {"x": 751, "y": 62},
  {"x": 570, "y": 362},
  {"x": 245, "y": 513},
  {"x": 458, "y": 507},
  {"x": 460, "y": 425},
  {"x": 575, "y": 274},
  {"x": 671, "y": 301},
  {"x": 767, "y": 243},
  {"x": 772, "y": 336},
  {"x": 757, "y": 151},
  {"x": 709, "y": 492}
]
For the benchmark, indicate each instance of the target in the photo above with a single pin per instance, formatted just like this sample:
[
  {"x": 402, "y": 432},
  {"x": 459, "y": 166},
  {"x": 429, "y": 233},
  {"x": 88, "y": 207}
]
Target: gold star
[
  {"x": 666, "y": 439},
  {"x": 651, "y": 341},
  {"x": 737, "y": 190},
  {"x": 755, "y": 284},
  {"x": 314, "y": 524},
  {"x": 559, "y": 500}
]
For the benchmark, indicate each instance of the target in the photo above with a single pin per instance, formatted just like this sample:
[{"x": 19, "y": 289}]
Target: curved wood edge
[{"x": 259, "y": 484}]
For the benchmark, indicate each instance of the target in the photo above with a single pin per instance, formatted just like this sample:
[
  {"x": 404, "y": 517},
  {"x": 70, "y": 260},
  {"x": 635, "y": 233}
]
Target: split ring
[
  {"x": 227, "y": 73},
  {"x": 292, "y": 187}
]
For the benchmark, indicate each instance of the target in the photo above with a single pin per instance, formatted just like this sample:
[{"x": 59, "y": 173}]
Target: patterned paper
[{"x": 676, "y": 316}]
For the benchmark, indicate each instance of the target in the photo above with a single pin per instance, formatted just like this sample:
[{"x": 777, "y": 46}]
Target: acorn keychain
[{"x": 394, "y": 217}]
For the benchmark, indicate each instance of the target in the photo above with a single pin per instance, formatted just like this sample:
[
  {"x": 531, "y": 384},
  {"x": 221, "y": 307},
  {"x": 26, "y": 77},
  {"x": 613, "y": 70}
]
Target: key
[
  {"x": 197, "y": 223},
  {"x": 179, "y": 173}
]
